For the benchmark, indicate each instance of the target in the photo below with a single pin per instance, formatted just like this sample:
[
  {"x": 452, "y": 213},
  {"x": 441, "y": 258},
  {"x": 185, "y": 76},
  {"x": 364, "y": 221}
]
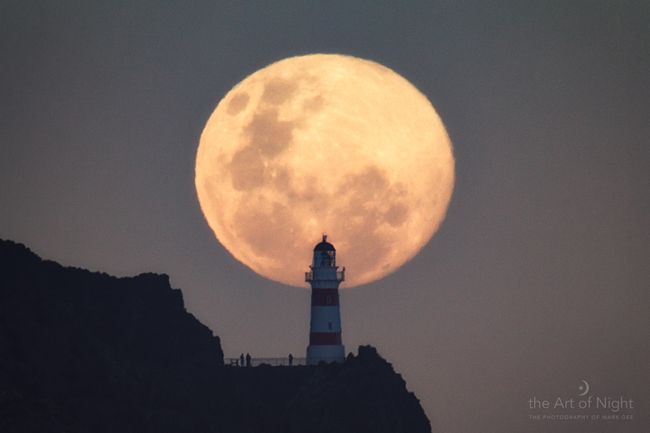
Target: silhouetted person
[
  {"x": 241, "y": 360},
  {"x": 290, "y": 360},
  {"x": 248, "y": 360}
]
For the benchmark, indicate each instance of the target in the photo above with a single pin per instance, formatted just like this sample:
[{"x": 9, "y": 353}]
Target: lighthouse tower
[{"x": 325, "y": 343}]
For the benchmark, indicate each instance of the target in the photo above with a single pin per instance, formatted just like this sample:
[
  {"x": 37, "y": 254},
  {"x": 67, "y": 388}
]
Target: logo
[
  {"x": 584, "y": 388},
  {"x": 587, "y": 407}
]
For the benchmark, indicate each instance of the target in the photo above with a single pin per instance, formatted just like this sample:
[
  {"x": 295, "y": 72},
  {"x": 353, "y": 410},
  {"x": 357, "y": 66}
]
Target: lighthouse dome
[{"x": 324, "y": 245}]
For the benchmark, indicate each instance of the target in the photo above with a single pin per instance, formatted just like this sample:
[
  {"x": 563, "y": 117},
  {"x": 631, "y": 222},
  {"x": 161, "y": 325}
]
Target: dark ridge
[{"x": 84, "y": 352}]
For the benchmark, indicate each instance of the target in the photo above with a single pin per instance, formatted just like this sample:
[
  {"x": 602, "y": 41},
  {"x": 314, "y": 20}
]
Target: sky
[{"x": 537, "y": 279}]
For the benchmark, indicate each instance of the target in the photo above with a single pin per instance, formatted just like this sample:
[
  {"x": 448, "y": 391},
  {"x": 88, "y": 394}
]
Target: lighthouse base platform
[{"x": 324, "y": 353}]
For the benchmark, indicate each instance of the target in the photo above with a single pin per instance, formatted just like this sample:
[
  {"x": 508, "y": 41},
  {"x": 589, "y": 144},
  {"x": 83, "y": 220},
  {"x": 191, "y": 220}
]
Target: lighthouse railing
[
  {"x": 340, "y": 276},
  {"x": 273, "y": 362},
  {"x": 276, "y": 362}
]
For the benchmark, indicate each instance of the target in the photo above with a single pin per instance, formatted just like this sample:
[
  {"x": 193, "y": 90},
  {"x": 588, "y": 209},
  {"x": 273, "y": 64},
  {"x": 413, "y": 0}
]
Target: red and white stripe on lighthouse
[{"x": 325, "y": 344}]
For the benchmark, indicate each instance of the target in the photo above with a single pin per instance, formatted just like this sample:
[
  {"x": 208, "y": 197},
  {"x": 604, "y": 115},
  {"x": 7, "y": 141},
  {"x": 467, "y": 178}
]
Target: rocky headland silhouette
[{"x": 83, "y": 351}]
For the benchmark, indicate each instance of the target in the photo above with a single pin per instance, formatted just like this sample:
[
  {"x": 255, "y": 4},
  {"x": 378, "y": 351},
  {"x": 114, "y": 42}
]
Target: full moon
[{"x": 324, "y": 144}]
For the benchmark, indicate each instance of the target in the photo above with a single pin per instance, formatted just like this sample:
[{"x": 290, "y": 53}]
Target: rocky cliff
[{"x": 87, "y": 352}]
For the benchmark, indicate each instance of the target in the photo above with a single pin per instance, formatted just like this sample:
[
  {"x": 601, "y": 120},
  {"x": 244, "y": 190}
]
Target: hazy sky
[{"x": 539, "y": 276}]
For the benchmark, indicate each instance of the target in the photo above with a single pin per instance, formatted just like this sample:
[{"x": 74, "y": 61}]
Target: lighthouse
[{"x": 325, "y": 344}]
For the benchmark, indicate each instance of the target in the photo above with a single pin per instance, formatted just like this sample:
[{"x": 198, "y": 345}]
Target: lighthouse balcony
[{"x": 340, "y": 276}]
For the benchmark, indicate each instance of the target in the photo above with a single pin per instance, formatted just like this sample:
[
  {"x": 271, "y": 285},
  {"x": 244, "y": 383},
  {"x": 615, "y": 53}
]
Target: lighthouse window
[
  {"x": 329, "y": 325},
  {"x": 326, "y": 260}
]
